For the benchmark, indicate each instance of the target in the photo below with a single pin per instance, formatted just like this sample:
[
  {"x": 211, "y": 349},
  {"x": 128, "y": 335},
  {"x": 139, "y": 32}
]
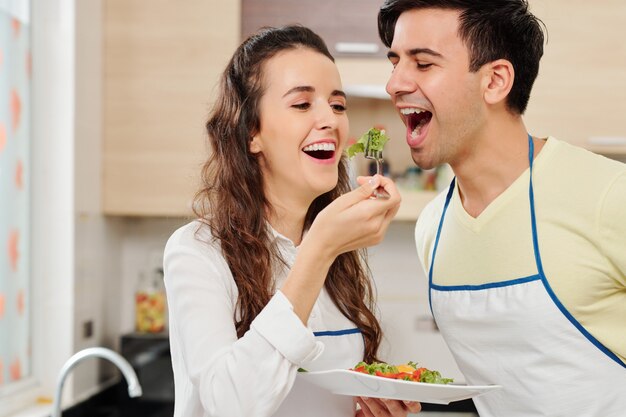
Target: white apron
[
  {"x": 517, "y": 334},
  {"x": 342, "y": 349}
]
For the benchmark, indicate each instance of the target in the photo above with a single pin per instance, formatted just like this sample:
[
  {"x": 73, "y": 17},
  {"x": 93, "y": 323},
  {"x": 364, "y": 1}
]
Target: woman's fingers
[
  {"x": 376, "y": 407},
  {"x": 354, "y": 220},
  {"x": 413, "y": 406},
  {"x": 363, "y": 192},
  {"x": 385, "y": 183},
  {"x": 365, "y": 403}
]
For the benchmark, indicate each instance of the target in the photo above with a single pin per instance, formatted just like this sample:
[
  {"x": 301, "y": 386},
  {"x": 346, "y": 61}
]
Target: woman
[{"x": 269, "y": 280}]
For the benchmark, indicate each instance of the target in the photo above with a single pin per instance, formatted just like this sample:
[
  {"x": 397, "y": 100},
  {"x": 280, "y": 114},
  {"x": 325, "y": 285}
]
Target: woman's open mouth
[{"x": 320, "y": 151}]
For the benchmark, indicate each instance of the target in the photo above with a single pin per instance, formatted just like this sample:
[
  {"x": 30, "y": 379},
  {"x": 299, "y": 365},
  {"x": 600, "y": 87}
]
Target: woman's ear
[
  {"x": 500, "y": 76},
  {"x": 255, "y": 144}
]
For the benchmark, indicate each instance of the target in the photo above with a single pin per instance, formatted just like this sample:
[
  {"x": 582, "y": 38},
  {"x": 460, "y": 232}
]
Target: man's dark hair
[{"x": 491, "y": 29}]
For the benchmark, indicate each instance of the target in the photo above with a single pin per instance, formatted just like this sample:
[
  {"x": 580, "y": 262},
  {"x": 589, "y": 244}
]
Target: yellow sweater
[{"x": 580, "y": 204}]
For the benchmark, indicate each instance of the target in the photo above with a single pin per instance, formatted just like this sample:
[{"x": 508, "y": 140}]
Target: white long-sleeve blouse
[{"x": 217, "y": 374}]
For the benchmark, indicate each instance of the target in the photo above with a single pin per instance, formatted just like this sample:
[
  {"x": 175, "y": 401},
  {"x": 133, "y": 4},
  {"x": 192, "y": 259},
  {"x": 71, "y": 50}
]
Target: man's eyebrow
[
  {"x": 309, "y": 89},
  {"x": 416, "y": 51}
]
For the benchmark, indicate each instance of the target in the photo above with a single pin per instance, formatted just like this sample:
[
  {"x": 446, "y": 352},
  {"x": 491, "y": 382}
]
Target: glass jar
[
  {"x": 150, "y": 303},
  {"x": 413, "y": 178}
]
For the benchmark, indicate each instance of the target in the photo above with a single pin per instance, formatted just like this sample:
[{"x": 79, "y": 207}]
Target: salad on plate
[{"x": 406, "y": 372}]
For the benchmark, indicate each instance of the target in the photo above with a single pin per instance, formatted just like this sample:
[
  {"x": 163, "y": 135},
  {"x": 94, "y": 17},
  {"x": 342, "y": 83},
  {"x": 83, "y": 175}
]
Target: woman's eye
[
  {"x": 301, "y": 106},
  {"x": 339, "y": 108}
]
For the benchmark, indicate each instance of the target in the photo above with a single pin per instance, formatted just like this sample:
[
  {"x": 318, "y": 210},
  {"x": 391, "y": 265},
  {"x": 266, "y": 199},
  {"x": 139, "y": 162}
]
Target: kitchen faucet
[{"x": 134, "y": 389}]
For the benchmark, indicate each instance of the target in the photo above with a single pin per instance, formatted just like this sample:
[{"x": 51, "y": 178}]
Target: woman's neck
[{"x": 287, "y": 218}]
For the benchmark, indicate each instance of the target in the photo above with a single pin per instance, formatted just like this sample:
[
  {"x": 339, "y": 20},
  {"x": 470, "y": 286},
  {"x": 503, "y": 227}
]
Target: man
[{"x": 526, "y": 251}]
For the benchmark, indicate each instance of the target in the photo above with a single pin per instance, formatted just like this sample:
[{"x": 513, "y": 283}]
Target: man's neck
[{"x": 498, "y": 158}]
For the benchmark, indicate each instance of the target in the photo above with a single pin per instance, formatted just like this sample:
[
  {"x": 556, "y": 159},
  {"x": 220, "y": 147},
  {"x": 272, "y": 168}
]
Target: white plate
[{"x": 358, "y": 384}]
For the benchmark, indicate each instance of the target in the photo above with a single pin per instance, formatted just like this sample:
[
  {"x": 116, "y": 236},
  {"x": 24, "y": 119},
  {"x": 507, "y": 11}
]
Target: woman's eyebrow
[
  {"x": 309, "y": 89},
  {"x": 299, "y": 89}
]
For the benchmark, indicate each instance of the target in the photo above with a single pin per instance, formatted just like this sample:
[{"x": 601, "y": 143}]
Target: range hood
[{"x": 376, "y": 91}]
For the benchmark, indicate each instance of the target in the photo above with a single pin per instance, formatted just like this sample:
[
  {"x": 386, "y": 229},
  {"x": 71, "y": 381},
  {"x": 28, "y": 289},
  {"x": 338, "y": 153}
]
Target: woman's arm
[
  {"x": 351, "y": 222},
  {"x": 247, "y": 376}
]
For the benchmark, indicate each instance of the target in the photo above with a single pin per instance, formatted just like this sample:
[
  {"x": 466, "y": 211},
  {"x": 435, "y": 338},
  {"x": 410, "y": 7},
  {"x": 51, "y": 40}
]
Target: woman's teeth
[
  {"x": 324, "y": 150},
  {"x": 319, "y": 147}
]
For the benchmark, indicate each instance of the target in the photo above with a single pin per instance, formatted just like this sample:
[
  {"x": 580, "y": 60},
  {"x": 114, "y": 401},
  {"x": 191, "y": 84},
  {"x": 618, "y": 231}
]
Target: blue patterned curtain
[{"x": 15, "y": 71}]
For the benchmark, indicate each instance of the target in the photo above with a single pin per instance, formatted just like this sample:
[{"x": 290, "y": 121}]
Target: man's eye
[
  {"x": 339, "y": 108},
  {"x": 423, "y": 66},
  {"x": 301, "y": 106}
]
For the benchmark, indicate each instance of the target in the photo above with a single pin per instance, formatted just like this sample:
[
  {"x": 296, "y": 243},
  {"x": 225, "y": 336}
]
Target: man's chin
[{"x": 421, "y": 161}]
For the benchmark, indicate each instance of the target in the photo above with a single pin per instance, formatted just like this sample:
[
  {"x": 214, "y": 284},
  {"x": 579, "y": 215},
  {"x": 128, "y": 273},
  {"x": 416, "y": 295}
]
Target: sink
[{"x": 114, "y": 402}]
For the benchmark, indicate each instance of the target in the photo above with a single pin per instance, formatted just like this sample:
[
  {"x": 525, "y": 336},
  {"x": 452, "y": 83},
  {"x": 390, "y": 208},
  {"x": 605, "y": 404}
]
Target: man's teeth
[
  {"x": 407, "y": 111},
  {"x": 413, "y": 110},
  {"x": 320, "y": 147}
]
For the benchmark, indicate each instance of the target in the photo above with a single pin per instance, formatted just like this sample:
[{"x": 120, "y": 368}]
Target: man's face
[{"x": 436, "y": 96}]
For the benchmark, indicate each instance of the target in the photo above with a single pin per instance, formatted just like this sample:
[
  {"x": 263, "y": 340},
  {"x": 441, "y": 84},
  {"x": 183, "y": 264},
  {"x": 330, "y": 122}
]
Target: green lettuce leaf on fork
[{"x": 378, "y": 140}]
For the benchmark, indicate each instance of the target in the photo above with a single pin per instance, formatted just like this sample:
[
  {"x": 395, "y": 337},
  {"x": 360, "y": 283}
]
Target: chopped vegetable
[
  {"x": 406, "y": 372},
  {"x": 377, "y": 142}
]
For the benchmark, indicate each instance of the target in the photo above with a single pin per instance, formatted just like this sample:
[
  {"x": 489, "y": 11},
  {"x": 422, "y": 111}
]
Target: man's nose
[{"x": 400, "y": 82}]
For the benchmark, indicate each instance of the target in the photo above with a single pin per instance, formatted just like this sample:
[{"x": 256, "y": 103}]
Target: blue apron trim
[
  {"x": 541, "y": 275},
  {"x": 337, "y": 332},
  {"x": 432, "y": 258},
  {"x": 544, "y": 280},
  {"x": 486, "y": 286}
]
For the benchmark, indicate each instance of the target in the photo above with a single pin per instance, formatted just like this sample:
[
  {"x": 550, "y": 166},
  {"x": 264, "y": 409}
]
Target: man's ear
[
  {"x": 499, "y": 80},
  {"x": 255, "y": 144}
]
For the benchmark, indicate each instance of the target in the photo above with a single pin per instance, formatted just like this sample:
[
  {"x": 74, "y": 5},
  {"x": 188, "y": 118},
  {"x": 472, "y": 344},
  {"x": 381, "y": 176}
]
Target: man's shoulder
[
  {"x": 428, "y": 219},
  {"x": 582, "y": 159}
]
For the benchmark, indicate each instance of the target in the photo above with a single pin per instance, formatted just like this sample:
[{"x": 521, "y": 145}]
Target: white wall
[
  {"x": 96, "y": 250},
  {"x": 52, "y": 185}
]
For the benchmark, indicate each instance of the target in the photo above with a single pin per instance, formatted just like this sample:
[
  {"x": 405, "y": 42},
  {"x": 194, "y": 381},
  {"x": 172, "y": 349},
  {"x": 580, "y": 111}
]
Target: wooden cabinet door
[
  {"x": 347, "y": 26},
  {"x": 162, "y": 61}
]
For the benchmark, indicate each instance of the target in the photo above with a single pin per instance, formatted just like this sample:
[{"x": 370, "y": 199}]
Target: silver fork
[{"x": 378, "y": 157}]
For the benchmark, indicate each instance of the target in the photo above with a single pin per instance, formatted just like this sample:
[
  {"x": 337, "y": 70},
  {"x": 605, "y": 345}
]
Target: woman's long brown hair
[{"x": 233, "y": 204}]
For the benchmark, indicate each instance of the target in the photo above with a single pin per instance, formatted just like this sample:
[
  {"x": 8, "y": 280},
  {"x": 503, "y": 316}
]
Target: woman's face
[{"x": 303, "y": 126}]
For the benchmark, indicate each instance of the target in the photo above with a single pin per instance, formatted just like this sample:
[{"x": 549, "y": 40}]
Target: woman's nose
[{"x": 327, "y": 118}]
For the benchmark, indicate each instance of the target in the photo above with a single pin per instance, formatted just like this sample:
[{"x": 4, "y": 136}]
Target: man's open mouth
[
  {"x": 324, "y": 150},
  {"x": 416, "y": 119}
]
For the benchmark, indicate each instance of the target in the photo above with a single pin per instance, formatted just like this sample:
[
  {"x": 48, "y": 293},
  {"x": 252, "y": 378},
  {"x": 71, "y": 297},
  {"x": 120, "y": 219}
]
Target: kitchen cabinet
[
  {"x": 161, "y": 66},
  {"x": 348, "y": 27},
  {"x": 579, "y": 94},
  {"x": 162, "y": 61}
]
